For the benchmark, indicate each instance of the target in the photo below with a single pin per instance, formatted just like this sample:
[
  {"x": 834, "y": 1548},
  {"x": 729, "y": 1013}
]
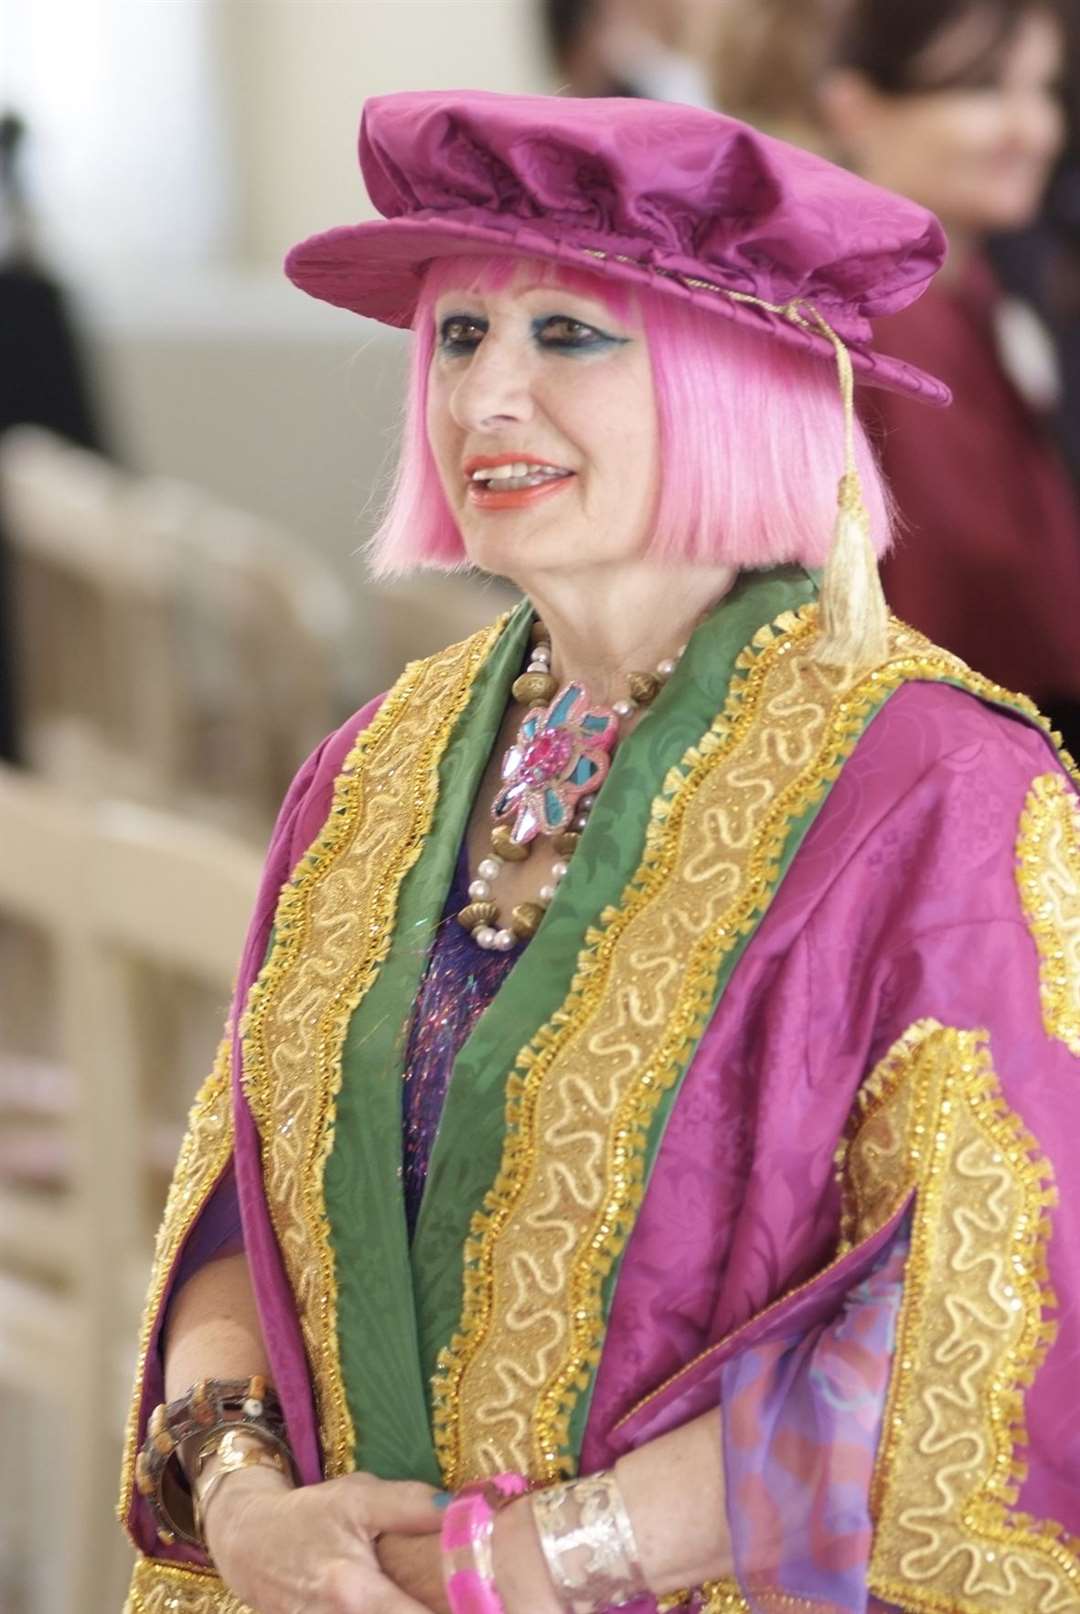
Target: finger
[{"x": 405, "y": 1506}]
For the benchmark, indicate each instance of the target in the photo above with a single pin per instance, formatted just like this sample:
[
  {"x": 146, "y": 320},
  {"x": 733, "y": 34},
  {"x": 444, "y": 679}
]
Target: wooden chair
[
  {"x": 171, "y": 649},
  {"x": 111, "y": 893}
]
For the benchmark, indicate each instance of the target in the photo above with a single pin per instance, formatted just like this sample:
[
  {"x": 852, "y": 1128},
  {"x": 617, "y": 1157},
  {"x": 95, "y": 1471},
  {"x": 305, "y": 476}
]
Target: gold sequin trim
[
  {"x": 332, "y": 930},
  {"x": 163, "y": 1588},
  {"x": 971, "y": 1335},
  {"x": 203, "y": 1156},
  {"x": 584, "y": 1091},
  {"x": 1048, "y": 878}
]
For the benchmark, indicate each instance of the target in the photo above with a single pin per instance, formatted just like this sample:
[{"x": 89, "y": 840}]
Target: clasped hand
[{"x": 354, "y": 1545}]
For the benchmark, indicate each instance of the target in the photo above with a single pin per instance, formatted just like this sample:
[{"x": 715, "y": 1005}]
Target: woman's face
[
  {"x": 977, "y": 154},
  {"x": 542, "y": 422}
]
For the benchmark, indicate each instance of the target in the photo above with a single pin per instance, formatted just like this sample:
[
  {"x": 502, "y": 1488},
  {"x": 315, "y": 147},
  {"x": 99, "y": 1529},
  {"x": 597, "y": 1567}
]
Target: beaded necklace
[{"x": 550, "y": 775}]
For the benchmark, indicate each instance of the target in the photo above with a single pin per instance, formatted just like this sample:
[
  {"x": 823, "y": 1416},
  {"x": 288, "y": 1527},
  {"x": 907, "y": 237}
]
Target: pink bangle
[{"x": 468, "y": 1566}]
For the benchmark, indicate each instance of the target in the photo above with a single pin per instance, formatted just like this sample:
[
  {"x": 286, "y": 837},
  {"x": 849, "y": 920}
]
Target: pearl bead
[
  {"x": 546, "y": 894},
  {"x": 489, "y": 868},
  {"x": 479, "y": 890},
  {"x": 504, "y": 940},
  {"x": 666, "y": 667},
  {"x": 542, "y": 653},
  {"x": 623, "y": 708},
  {"x": 560, "y": 870},
  {"x": 579, "y": 822},
  {"x": 253, "y": 1408},
  {"x": 586, "y": 804},
  {"x": 484, "y": 936}
]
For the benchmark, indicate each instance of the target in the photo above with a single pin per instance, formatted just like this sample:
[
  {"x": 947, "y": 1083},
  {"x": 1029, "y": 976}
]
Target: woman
[
  {"x": 708, "y": 894},
  {"x": 959, "y": 106}
]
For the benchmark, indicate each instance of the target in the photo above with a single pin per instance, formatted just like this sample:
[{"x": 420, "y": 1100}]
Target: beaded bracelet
[
  {"x": 468, "y": 1564},
  {"x": 210, "y": 1408}
]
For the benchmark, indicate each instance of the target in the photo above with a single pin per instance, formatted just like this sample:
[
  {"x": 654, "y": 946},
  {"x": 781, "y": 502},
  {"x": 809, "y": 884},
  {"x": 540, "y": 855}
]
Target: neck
[
  {"x": 604, "y": 625},
  {"x": 962, "y": 244}
]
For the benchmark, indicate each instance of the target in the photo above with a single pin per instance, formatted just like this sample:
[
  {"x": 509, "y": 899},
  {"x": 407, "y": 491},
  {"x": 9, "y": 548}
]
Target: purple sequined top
[{"x": 460, "y": 981}]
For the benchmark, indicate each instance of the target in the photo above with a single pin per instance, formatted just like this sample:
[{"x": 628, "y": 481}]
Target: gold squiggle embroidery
[
  {"x": 333, "y": 928},
  {"x": 583, "y": 1093},
  {"x": 1048, "y": 879},
  {"x": 971, "y": 1334},
  {"x": 163, "y": 1588},
  {"x": 203, "y": 1156}
]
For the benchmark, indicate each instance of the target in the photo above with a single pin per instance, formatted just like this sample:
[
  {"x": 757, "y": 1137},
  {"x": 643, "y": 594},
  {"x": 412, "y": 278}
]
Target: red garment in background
[{"x": 988, "y": 557}]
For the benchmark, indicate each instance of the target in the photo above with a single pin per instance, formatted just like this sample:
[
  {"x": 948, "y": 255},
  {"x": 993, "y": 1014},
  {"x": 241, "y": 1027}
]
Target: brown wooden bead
[
  {"x": 566, "y": 842},
  {"x": 534, "y": 689},
  {"x": 504, "y": 845},
  {"x": 644, "y": 687},
  {"x": 539, "y": 634},
  {"x": 525, "y": 919},
  {"x": 477, "y": 914}
]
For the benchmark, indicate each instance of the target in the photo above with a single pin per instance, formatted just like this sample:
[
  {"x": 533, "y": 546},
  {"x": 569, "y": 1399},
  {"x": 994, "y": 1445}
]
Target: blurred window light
[{"x": 127, "y": 160}]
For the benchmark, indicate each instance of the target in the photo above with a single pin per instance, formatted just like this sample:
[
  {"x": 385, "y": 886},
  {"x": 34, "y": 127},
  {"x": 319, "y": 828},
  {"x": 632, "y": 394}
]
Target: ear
[{"x": 849, "y": 106}]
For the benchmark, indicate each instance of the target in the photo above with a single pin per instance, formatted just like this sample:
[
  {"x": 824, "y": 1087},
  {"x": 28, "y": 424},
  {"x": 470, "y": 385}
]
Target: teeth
[{"x": 519, "y": 468}]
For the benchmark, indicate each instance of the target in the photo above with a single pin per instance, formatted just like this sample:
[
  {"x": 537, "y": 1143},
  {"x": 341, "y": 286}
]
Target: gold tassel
[{"x": 854, "y": 615}]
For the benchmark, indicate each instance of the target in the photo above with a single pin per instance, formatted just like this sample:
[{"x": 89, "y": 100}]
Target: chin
[{"x": 1009, "y": 210}]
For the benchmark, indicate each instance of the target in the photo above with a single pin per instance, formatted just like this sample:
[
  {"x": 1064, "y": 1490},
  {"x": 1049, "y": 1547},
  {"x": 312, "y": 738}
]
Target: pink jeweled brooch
[{"x": 562, "y": 752}]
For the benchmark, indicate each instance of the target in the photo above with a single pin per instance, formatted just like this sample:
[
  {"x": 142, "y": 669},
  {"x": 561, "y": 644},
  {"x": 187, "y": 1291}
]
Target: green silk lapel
[
  {"x": 385, "y": 1384},
  {"x": 469, "y": 1146}
]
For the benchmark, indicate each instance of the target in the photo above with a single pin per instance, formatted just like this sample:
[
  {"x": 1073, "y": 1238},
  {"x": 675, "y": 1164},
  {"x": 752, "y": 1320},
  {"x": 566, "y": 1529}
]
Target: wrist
[
  {"x": 521, "y": 1573},
  {"x": 236, "y": 1494}
]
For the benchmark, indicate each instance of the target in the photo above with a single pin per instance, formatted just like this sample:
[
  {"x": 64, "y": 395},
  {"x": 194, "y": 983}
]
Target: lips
[{"x": 507, "y": 481}]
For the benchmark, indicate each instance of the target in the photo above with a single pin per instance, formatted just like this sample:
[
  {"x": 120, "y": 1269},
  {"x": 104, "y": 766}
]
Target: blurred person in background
[
  {"x": 654, "y": 48},
  {"x": 766, "y": 62},
  {"x": 959, "y": 105},
  {"x": 559, "y": 1226},
  {"x": 43, "y": 379},
  {"x": 1041, "y": 264}
]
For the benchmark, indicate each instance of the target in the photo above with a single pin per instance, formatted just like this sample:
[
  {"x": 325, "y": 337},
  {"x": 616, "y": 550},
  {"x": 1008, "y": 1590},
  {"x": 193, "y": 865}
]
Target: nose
[{"x": 495, "y": 388}]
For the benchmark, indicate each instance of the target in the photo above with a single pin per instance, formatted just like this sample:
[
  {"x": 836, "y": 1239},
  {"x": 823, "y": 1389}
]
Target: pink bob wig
[{"x": 750, "y": 432}]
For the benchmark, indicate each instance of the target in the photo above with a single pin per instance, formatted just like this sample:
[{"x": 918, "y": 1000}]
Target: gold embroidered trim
[
  {"x": 332, "y": 930},
  {"x": 722, "y": 1597},
  {"x": 583, "y": 1093},
  {"x": 162, "y": 1588},
  {"x": 203, "y": 1156},
  {"x": 1048, "y": 878},
  {"x": 971, "y": 1334}
]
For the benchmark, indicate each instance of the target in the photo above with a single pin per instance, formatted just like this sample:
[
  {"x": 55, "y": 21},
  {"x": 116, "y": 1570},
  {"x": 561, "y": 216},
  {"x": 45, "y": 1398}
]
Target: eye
[
  {"x": 460, "y": 333},
  {"x": 559, "y": 330}
]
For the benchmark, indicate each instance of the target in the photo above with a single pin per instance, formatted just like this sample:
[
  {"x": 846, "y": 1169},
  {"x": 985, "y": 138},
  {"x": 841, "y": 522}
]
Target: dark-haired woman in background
[{"x": 957, "y": 104}]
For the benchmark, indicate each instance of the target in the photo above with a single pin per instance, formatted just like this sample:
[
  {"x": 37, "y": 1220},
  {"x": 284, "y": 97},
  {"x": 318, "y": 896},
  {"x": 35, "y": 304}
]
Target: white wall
[
  {"x": 178, "y": 131},
  {"x": 298, "y": 72}
]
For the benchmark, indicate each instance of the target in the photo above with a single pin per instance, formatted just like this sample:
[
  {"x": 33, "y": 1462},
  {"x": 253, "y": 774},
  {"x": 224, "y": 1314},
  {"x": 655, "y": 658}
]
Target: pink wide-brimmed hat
[{"x": 693, "y": 203}]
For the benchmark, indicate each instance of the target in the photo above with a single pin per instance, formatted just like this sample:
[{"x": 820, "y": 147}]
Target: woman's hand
[
  {"x": 414, "y": 1563},
  {"x": 311, "y": 1550}
]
